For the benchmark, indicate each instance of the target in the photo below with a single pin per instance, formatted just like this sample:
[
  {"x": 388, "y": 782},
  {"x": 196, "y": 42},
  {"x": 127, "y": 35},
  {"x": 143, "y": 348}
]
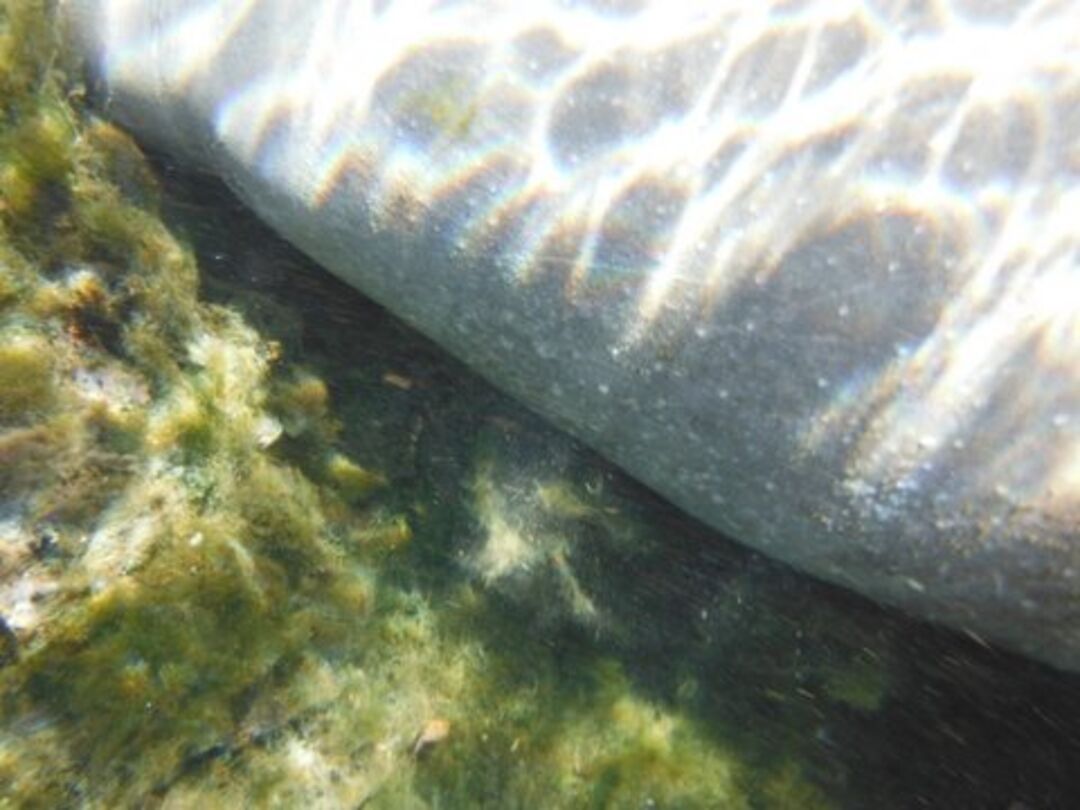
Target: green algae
[
  {"x": 262, "y": 572},
  {"x": 353, "y": 481},
  {"x": 586, "y": 741},
  {"x": 181, "y": 560},
  {"x": 26, "y": 377}
]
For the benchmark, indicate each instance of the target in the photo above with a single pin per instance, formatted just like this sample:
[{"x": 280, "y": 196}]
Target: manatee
[{"x": 808, "y": 268}]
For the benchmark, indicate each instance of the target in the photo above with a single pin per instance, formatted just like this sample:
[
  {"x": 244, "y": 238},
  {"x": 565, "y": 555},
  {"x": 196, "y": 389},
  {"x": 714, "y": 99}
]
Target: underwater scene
[{"x": 263, "y": 545}]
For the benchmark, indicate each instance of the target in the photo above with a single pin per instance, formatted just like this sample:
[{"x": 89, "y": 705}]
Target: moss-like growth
[
  {"x": 41, "y": 148},
  {"x": 182, "y": 569},
  {"x": 630, "y": 750},
  {"x": 9, "y": 289},
  {"x": 160, "y": 659},
  {"x": 27, "y": 389},
  {"x": 36, "y": 159},
  {"x": 28, "y": 48},
  {"x": 353, "y": 481},
  {"x": 116, "y": 159},
  {"x": 303, "y": 402},
  {"x": 382, "y": 534}
]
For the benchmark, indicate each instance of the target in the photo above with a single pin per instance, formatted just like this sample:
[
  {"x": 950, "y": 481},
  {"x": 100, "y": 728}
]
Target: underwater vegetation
[{"x": 262, "y": 546}]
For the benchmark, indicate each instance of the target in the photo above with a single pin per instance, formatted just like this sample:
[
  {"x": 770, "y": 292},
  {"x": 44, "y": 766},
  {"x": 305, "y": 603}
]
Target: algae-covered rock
[
  {"x": 26, "y": 378},
  {"x": 160, "y": 567}
]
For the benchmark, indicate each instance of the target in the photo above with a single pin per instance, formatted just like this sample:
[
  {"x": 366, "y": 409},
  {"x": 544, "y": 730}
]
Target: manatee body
[{"x": 809, "y": 269}]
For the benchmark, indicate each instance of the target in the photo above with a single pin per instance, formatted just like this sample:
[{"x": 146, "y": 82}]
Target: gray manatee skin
[{"x": 808, "y": 268}]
